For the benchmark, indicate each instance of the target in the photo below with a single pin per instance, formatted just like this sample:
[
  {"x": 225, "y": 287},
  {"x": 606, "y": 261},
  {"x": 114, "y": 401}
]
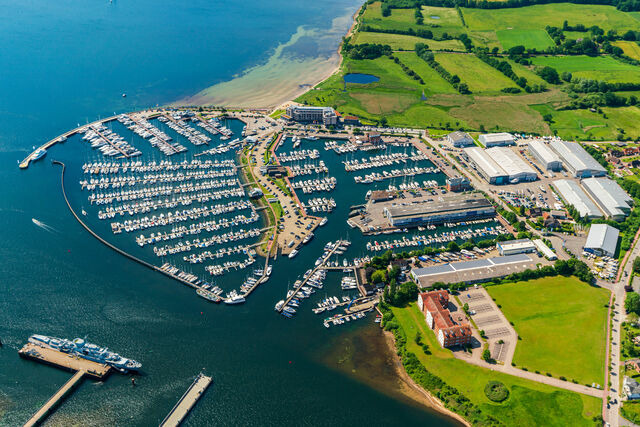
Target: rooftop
[
  {"x": 602, "y": 237},
  {"x": 574, "y": 195},
  {"x": 575, "y": 157}
]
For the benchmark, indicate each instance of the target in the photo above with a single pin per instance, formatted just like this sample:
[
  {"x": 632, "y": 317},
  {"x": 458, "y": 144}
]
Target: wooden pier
[
  {"x": 82, "y": 368},
  {"x": 187, "y": 401}
]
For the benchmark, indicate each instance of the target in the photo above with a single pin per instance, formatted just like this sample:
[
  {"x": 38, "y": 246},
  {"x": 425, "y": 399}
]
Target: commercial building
[
  {"x": 324, "y": 115},
  {"x": 576, "y": 160},
  {"x": 500, "y": 165},
  {"x": 448, "y": 208},
  {"x": 460, "y": 139},
  {"x": 496, "y": 139},
  {"x": 513, "y": 247},
  {"x": 474, "y": 271},
  {"x": 514, "y": 166},
  {"x": 458, "y": 183},
  {"x": 544, "y": 155},
  {"x": 631, "y": 388},
  {"x": 486, "y": 166},
  {"x": 602, "y": 240},
  {"x": 545, "y": 250},
  {"x": 609, "y": 196},
  {"x": 573, "y": 195},
  {"x": 449, "y": 331}
]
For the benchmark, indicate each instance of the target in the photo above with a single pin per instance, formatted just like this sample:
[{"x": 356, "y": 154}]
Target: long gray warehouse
[
  {"x": 576, "y": 160},
  {"x": 500, "y": 165},
  {"x": 602, "y": 240},
  {"x": 572, "y": 194},
  {"x": 609, "y": 196},
  {"x": 544, "y": 155},
  {"x": 452, "y": 208}
]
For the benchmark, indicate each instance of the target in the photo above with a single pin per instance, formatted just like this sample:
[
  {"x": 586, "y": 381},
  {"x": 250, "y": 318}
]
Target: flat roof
[
  {"x": 494, "y": 137},
  {"x": 544, "y": 151},
  {"x": 440, "y": 204},
  {"x": 510, "y": 162},
  {"x": 470, "y": 265},
  {"x": 609, "y": 196},
  {"x": 520, "y": 243}
]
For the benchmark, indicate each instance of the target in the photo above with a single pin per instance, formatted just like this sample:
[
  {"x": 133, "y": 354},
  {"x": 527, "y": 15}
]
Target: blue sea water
[{"x": 68, "y": 62}]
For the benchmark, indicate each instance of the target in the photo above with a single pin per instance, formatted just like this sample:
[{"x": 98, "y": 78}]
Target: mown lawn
[
  {"x": 529, "y": 404},
  {"x": 561, "y": 322},
  {"x": 539, "y": 16},
  {"x": 479, "y": 76},
  {"x": 603, "y": 68},
  {"x": 404, "y": 42},
  {"x": 531, "y": 39}
]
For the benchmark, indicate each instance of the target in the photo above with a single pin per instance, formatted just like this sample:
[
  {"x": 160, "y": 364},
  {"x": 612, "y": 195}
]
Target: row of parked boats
[
  {"x": 382, "y": 160},
  {"x": 180, "y": 126},
  {"x": 316, "y": 185},
  {"x": 155, "y": 178},
  {"x": 320, "y": 204},
  {"x": 294, "y": 156},
  {"x": 220, "y": 269},
  {"x": 109, "y": 143},
  {"x": 157, "y": 138},
  {"x": 395, "y": 173},
  {"x": 154, "y": 166},
  {"x": 308, "y": 169}
]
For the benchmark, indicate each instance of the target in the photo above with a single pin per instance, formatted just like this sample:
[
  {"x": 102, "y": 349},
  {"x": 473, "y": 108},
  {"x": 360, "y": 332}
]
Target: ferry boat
[
  {"x": 234, "y": 298},
  {"x": 80, "y": 348},
  {"x": 38, "y": 154}
]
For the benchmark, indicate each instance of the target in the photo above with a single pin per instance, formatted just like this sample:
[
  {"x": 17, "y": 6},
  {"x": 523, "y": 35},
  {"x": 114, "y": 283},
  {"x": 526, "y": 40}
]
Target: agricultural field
[
  {"x": 405, "y": 42},
  {"x": 562, "y": 325},
  {"x": 479, "y": 76},
  {"x": 529, "y": 403},
  {"x": 603, "y": 68},
  {"x": 631, "y": 49},
  {"x": 539, "y": 16},
  {"x": 434, "y": 83},
  {"x": 531, "y": 39}
]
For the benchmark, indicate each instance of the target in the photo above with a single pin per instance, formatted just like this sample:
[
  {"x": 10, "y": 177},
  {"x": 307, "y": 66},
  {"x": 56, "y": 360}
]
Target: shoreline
[
  {"x": 428, "y": 399},
  {"x": 281, "y": 79}
]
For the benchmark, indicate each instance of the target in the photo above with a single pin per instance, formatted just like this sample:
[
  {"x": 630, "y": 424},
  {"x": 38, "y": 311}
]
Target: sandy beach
[{"x": 309, "y": 57}]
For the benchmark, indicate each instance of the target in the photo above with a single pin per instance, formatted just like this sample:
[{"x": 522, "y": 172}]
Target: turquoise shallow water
[{"x": 67, "y": 62}]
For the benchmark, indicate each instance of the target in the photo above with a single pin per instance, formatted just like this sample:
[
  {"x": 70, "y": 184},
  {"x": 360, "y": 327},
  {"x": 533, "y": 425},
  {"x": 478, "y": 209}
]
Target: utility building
[
  {"x": 460, "y": 139},
  {"x": 609, "y": 196},
  {"x": 576, "y": 160},
  {"x": 602, "y": 240},
  {"x": 496, "y": 139},
  {"x": 452, "y": 208},
  {"x": 544, "y": 155},
  {"x": 515, "y": 167},
  {"x": 573, "y": 195},
  {"x": 486, "y": 166}
]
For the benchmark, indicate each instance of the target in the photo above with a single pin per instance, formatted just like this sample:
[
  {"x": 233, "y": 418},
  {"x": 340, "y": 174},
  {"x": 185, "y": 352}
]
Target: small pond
[
  {"x": 360, "y": 78},
  {"x": 434, "y": 17}
]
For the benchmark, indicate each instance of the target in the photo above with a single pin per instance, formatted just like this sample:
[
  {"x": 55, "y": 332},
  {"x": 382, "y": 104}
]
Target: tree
[
  {"x": 550, "y": 75},
  {"x": 632, "y": 303},
  {"x": 636, "y": 265},
  {"x": 486, "y": 356},
  {"x": 383, "y": 122},
  {"x": 379, "y": 276},
  {"x": 453, "y": 247}
]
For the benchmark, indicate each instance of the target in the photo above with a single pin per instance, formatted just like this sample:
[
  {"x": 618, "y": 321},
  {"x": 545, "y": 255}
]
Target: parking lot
[{"x": 485, "y": 313}]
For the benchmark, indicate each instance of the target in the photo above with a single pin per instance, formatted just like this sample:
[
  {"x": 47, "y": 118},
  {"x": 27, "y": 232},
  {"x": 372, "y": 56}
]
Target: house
[
  {"x": 630, "y": 151},
  {"x": 351, "y": 120},
  {"x": 631, "y": 388},
  {"x": 460, "y": 139},
  {"x": 458, "y": 183},
  {"x": 374, "y": 137},
  {"x": 449, "y": 331},
  {"x": 617, "y": 153},
  {"x": 633, "y": 364},
  {"x": 535, "y": 212},
  {"x": 558, "y": 214}
]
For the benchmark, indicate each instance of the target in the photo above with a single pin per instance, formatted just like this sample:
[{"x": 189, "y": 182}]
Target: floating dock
[
  {"x": 187, "y": 401},
  {"x": 82, "y": 368}
]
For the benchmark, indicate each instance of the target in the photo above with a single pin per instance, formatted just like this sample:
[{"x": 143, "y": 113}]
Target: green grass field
[
  {"x": 602, "y": 68},
  {"x": 630, "y": 49},
  {"x": 403, "y": 19},
  {"x": 444, "y": 17},
  {"x": 479, "y": 76},
  {"x": 404, "y": 42},
  {"x": 539, "y": 16},
  {"x": 531, "y": 39},
  {"x": 562, "y": 322},
  {"x": 433, "y": 82},
  {"x": 529, "y": 404}
]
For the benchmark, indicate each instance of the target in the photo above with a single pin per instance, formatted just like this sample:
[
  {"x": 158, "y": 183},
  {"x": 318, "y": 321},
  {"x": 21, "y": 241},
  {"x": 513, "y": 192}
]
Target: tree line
[{"x": 422, "y": 50}]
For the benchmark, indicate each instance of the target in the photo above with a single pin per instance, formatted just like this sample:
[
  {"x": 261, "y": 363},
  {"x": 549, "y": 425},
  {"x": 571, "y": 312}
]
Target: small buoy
[
  {"x": 124, "y": 95},
  {"x": 133, "y": 381}
]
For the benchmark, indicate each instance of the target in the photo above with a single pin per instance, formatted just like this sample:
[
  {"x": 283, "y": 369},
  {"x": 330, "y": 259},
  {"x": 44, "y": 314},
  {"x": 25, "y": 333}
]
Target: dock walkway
[
  {"x": 187, "y": 401},
  {"x": 53, "y": 401}
]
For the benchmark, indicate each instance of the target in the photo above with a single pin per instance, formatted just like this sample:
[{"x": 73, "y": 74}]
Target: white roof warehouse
[
  {"x": 576, "y": 160},
  {"x": 609, "y": 196},
  {"x": 602, "y": 240}
]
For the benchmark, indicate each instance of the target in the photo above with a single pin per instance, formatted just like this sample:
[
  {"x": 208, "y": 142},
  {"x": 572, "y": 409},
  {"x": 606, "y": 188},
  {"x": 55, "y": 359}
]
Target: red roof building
[{"x": 449, "y": 331}]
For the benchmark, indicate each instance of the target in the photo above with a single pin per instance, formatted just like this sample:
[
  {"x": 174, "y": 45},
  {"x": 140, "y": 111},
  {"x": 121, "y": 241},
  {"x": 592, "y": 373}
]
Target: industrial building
[
  {"x": 500, "y": 165},
  {"x": 496, "y": 139},
  {"x": 450, "y": 329},
  {"x": 449, "y": 208},
  {"x": 544, "y": 155},
  {"x": 460, "y": 139},
  {"x": 324, "y": 115},
  {"x": 576, "y": 160},
  {"x": 609, "y": 196},
  {"x": 513, "y": 247},
  {"x": 474, "y": 271},
  {"x": 515, "y": 167},
  {"x": 573, "y": 195},
  {"x": 545, "y": 250},
  {"x": 486, "y": 167},
  {"x": 602, "y": 240}
]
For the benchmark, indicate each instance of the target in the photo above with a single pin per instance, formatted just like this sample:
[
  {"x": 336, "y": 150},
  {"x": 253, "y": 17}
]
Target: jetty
[
  {"x": 82, "y": 368},
  {"x": 187, "y": 401}
]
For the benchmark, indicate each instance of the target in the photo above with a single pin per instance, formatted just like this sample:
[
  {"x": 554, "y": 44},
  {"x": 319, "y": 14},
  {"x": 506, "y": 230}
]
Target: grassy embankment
[
  {"x": 562, "y": 325},
  {"x": 529, "y": 404},
  {"x": 404, "y": 101}
]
